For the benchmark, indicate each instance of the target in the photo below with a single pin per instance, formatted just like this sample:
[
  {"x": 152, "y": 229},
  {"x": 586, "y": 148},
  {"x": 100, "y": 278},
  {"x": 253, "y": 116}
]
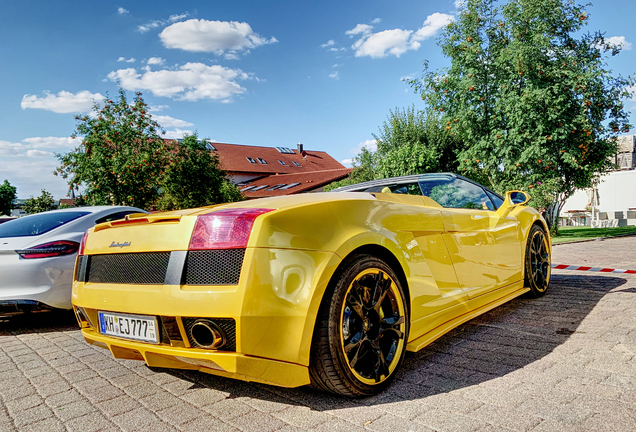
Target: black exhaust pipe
[{"x": 206, "y": 334}]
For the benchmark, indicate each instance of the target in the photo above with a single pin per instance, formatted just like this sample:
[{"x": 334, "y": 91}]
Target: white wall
[{"x": 617, "y": 192}]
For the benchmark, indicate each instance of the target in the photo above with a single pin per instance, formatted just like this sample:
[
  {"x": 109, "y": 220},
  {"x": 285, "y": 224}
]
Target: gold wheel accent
[{"x": 372, "y": 326}]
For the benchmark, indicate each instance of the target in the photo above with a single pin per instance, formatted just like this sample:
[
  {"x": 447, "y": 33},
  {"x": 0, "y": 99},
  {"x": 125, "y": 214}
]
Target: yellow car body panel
[{"x": 290, "y": 259}]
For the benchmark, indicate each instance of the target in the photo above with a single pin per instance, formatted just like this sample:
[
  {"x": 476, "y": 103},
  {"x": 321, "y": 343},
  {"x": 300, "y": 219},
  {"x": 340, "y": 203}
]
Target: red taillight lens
[
  {"x": 83, "y": 242},
  {"x": 224, "y": 229},
  {"x": 48, "y": 250}
]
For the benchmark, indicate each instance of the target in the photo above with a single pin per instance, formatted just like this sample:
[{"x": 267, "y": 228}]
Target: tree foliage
[
  {"x": 39, "y": 204},
  {"x": 122, "y": 160},
  {"x": 7, "y": 195},
  {"x": 530, "y": 94}
]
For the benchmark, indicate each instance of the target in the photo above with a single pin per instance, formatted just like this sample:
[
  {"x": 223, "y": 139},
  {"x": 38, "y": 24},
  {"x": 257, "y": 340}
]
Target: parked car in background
[
  {"x": 37, "y": 255},
  {"x": 328, "y": 289}
]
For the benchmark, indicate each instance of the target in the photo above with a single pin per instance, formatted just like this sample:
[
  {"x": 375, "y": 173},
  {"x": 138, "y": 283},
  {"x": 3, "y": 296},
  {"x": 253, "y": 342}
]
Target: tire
[
  {"x": 360, "y": 336},
  {"x": 537, "y": 262}
]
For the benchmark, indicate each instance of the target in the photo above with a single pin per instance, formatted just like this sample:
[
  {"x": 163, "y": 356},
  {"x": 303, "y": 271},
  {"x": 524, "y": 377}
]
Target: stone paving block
[
  {"x": 159, "y": 401},
  {"x": 31, "y": 415},
  {"x": 555, "y": 411},
  {"x": 81, "y": 376},
  {"x": 451, "y": 402},
  {"x": 396, "y": 424},
  {"x": 73, "y": 410},
  {"x": 179, "y": 414},
  {"x": 24, "y": 403},
  {"x": 114, "y": 372},
  {"x": 206, "y": 396},
  {"x": 495, "y": 396},
  {"x": 549, "y": 425},
  {"x": 302, "y": 417},
  {"x": 228, "y": 409},
  {"x": 127, "y": 379},
  {"x": 510, "y": 418},
  {"x": 88, "y": 423},
  {"x": 55, "y": 387},
  {"x": 256, "y": 420},
  {"x": 16, "y": 389},
  {"x": 118, "y": 405},
  {"x": 207, "y": 423},
  {"x": 42, "y": 373},
  {"x": 359, "y": 415},
  {"x": 445, "y": 421},
  {"x": 48, "y": 425},
  {"x": 64, "y": 398},
  {"x": 141, "y": 390},
  {"x": 103, "y": 393},
  {"x": 133, "y": 420}
]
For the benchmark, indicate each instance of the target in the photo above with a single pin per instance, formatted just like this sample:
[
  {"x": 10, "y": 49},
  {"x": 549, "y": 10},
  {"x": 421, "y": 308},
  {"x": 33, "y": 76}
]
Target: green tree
[
  {"x": 531, "y": 95},
  {"x": 194, "y": 179},
  {"x": 7, "y": 195},
  {"x": 39, "y": 204},
  {"x": 121, "y": 158}
]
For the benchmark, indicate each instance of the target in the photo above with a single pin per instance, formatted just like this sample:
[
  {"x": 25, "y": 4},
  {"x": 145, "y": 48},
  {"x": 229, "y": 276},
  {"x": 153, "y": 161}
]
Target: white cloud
[
  {"x": 191, "y": 82},
  {"x": 160, "y": 23},
  {"x": 122, "y": 11},
  {"x": 10, "y": 149},
  {"x": 363, "y": 29},
  {"x": 335, "y": 75},
  {"x": 20, "y": 171},
  {"x": 397, "y": 41},
  {"x": 64, "y": 102},
  {"x": 335, "y": 65},
  {"x": 371, "y": 145},
  {"x": 157, "y": 108},
  {"x": 155, "y": 61},
  {"x": 328, "y": 44},
  {"x": 51, "y": 142},
  {"x": 347, "y": 162},
  {"x": 123, "y": 59},
  {"x": 219, "y": 37},
  {"x": 620, "y": 42},
  {"x": 376, "y": 21},
  {"x": 177, "y": 134},
  {"x": 168, "y": 122},
  {"x": 38, "y": 153},
  {"x": 406, "y": 78}
]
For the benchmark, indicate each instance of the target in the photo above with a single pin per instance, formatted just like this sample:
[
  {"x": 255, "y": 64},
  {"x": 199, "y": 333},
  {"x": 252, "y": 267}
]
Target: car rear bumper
[{"x": 44, "y": 280}]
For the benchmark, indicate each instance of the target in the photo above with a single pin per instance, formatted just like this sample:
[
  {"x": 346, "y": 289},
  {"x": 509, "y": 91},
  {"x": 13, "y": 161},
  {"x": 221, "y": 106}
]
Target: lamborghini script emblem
[{"x": 119, "y": 245}]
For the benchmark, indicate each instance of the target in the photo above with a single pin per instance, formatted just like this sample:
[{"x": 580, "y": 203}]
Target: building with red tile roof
[{"x": 273, "y": 171}]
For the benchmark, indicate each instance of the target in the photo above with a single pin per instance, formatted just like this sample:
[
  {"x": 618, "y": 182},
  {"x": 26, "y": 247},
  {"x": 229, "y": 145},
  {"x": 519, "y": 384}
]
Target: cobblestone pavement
[{"x": 565, "y": 362}]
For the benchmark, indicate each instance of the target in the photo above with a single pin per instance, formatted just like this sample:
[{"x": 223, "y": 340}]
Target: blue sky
[{"x": 271, "y": 73}]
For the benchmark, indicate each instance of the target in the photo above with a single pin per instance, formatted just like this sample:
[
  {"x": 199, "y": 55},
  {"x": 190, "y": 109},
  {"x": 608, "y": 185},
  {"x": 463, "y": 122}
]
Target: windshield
[{"x": 38, "y": 224}]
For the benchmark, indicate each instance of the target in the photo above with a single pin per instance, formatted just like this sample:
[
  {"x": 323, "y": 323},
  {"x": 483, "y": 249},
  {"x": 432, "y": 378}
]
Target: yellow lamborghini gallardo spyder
[{"x": 327, "y": 289}]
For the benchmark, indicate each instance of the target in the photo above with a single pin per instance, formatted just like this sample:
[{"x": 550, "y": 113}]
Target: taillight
[
  {"x": 48, "y": 250},
  {"x": 83, "y": 242},
  {"x": 224, "y": 229}
]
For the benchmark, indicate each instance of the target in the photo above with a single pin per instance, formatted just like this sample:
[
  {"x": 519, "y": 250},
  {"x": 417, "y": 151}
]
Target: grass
[{"x": 571, "y": 234}]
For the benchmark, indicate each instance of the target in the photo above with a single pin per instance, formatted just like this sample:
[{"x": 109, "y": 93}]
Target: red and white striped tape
[{"x": 593, "y": 269}]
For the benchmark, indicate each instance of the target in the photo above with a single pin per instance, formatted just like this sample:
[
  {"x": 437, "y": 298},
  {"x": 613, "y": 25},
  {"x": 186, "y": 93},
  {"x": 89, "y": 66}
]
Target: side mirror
[
  {"x": 517, "y": 197},
  {"x": 513, "y": 199}
]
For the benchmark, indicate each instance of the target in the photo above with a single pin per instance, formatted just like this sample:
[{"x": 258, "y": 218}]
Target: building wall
[{"x": 617, "y": 192}]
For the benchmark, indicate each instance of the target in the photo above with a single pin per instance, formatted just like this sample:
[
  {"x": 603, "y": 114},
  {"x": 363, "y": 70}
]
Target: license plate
[{"x": 135, "y": 327}]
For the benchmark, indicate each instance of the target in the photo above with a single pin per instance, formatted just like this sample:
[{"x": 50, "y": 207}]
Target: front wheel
[
  {"x": 360, "y": 336},
  {"x": 537, "y": 262}
]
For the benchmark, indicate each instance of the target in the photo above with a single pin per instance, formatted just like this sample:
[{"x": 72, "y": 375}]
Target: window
[
  {"x": 296, "y": 163},
  {"x": 38, "y": 224},
  {"x": 289, "y": 186},
  {"x": 250, "y": 159},
  {"x": 247, "y": 188},
  {"x": 285, "y": 150},
  {"x": 496, "y": 199},
  {"x": 210, "y": 147},
  {"x": 278, "y": 186},
  {"x": 257, "y": 188},
  {"x": 405, "y": 188},
  {"x": 263, "y": 161},
  {"x": 455, "y": 193},
  {"x": 282, "y": 163}
]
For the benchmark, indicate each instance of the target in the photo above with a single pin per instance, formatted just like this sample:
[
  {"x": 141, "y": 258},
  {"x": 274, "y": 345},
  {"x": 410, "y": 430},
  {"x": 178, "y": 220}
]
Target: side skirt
[{"x": 431, "y": 336}]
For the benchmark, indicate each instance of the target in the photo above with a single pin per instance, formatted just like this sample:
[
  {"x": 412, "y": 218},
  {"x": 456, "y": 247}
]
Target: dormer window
[
  {"x": 296, "y": 163},
  {"x": 263, "y": 161},
  {"x": 250, "y": 159},
  {"x": 282, "y": 163}
]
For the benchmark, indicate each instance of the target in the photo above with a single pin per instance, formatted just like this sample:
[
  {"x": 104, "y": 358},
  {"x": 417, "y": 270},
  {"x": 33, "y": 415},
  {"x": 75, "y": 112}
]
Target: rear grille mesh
[
  {"x": 129, "y": 268},
  {"x": 228, "y": 325},
  {"x": 214, "y": 267}
]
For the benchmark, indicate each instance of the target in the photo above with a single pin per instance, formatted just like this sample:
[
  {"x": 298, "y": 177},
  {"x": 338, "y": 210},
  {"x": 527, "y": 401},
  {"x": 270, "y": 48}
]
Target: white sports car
[{"x": 37, "y": 256}]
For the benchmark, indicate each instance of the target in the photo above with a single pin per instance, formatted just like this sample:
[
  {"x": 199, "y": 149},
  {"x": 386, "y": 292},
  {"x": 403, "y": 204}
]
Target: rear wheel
[
  {"x": 360, "y": 336},
  {"x": 537, "y": 262}
]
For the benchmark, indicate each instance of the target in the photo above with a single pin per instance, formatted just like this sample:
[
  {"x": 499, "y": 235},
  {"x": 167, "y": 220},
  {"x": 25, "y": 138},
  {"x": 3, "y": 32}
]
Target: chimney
[{"x": 300, "y": 148}]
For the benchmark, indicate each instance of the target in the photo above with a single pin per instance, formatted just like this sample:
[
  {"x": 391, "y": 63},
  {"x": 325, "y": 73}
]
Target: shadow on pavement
[
  {"x": 38, "y": 322},
  {"x": 493, "y": 345}
]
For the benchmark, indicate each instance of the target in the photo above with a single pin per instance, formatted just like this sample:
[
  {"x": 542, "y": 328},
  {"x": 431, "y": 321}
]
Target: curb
[{"x": 594, "y": 239}]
